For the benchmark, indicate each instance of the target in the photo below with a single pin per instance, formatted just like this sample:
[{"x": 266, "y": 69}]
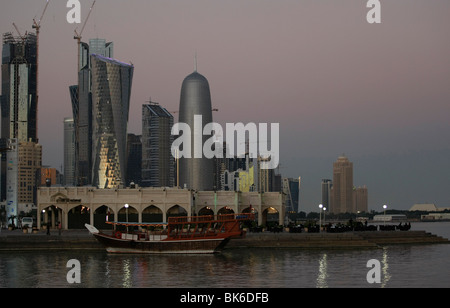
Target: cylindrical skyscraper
[{"x": 195, "y": 100}]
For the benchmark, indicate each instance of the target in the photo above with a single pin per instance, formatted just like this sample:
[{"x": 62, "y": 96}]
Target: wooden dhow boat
[{"x": 180, "y": 235}]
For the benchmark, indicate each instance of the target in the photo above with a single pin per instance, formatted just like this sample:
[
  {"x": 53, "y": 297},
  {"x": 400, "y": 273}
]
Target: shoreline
[{"x": 82, "y": 240}]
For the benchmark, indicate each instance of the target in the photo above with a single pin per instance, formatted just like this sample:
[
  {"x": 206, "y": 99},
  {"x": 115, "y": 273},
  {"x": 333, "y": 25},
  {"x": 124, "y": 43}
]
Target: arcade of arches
[{"x": 75, "y": 206}]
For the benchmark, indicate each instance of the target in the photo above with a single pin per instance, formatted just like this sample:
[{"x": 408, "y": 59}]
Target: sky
[{"x": 378, "y": 93}]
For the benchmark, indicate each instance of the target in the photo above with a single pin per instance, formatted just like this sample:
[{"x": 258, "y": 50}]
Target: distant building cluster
[
  {"x": 339, "y": 195},
  {"x": 430, "y": 212}
]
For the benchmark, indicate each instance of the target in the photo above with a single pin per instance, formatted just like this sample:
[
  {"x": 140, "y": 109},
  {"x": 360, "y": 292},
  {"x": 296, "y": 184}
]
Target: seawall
[
  {"x": 82, "y": 240},
  {"x": 73, "y": 239},
  {"x": 347, "y": 240}
]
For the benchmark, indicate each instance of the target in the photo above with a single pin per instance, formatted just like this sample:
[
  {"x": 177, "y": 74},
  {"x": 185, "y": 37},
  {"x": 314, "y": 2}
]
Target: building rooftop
[
  {"x": 426, "y": 207},
  {"x": 159, "y": 111},
  {"x": 113, "y": 61}
]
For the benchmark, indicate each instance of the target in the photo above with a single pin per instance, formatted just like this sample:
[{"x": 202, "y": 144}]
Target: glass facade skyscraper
[
  {"x": 195, "y": 100},
  {"x": 326, "y": 193},
  {"x": 157, "y": 161},
  {"x": 291, "y": 187},
  {"x": 81, "y": 96},
  {"x": 111, "y": 91},
  {"x": 101, "y": 47},
  {"x": 134, "y": 160},
  {"x": 69, "y": 152}
]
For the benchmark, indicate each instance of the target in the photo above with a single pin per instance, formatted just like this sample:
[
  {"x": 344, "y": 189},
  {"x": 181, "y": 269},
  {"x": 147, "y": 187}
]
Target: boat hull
[{"x": 188, "y": 246}]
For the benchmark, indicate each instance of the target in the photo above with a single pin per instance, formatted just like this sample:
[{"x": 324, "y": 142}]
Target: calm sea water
[{"x": 401, "y": 266}]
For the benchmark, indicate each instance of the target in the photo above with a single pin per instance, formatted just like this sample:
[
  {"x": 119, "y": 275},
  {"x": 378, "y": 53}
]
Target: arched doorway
[
  {"x": 254, "y": 222},
  {"x": 128, "y": 214},
  {"x": 51, "y": 215},
  {"x": 176, "y": 210},
  {"x": 205, "y": 211},
  {"x": 270, "y": 217},
  {"x": 152, "y": 214},
  {"x": 102, "y": 215},
  {"x": 225, "y": 210},
  {"x": 78, "y": 217}
]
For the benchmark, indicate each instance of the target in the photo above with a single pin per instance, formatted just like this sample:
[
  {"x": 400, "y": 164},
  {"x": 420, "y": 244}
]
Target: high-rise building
[
  {"x": 360, "y": 199},
  {"x": 291, "y": 187},
  {"x": 195, "y": 100},
  {"x": 157, "y": 160},
  {"x": 19, "y": 100},
  {"x": 47, "y": 176},
  {"x": 111, "y": 92},
  {"x": 101, "y": 47},
  {"x": 30, "y": 158},
  {"x": 342, "y": 186},
  {"x": 19, "y": 119},
  {"x": 12, "y": 179},
  {"x": 267, "y": 179},
  {"x": 134, "y": 160},
  {"x": 81, "y": 96},
  {"x": 326, "y": 192},
  {"x": 69, "y": 152}
]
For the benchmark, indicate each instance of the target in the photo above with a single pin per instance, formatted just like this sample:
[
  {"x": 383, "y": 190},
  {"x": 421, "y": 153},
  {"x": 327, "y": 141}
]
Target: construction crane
[
  {"x": 78, "y": 35},
  {"x": 23, "y": 37},
  {"x": 37, "y": 25}
]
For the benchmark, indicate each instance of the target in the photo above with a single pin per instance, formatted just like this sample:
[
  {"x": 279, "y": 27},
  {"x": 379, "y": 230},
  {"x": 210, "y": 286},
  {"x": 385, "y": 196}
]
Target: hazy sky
[{"x": 380, "y": 93}]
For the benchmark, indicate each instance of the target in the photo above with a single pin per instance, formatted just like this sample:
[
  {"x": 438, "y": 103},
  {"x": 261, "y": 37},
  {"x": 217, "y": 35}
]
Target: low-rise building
[{"x": 75, "y": 206}]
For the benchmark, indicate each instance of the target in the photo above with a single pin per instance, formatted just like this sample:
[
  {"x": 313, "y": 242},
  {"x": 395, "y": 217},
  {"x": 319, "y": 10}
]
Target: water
[{"x": 401, "y": 266}]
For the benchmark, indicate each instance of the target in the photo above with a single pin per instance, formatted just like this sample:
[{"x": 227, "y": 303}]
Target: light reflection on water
[
  {"x": 401, "y": 266},
  {"x": 323, "y": 273}
]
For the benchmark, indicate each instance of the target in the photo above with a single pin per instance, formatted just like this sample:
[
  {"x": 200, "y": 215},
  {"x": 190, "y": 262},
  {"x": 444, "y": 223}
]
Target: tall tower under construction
[
  {"x": 18, "y": 100},
  {"x": 195, "y": 99},
  {"x": 19, "y": 121}
]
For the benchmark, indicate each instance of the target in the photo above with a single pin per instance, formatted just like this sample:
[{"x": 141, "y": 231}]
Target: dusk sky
[{"x": 380, "y": 93}]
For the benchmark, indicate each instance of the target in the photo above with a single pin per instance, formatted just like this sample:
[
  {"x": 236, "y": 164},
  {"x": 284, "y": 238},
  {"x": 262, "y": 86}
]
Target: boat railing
[
  {"x": 181, "y": 227},
  {"x": 211, "y": 218},
  {"x": 206, "y": 226}
]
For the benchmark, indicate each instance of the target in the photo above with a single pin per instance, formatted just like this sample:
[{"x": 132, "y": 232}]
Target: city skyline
[{"x": 378, "y": 93}]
